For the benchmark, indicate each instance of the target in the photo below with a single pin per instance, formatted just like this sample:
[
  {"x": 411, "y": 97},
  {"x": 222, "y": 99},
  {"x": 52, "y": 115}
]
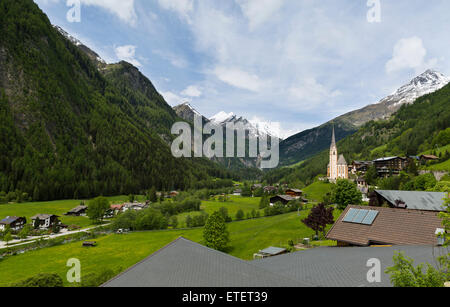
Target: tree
[
  {"x": 264, "y": 202},
  {"x": 345, "y": 193},
  {"x": 131, "y": 198},
  {"x": 371, "y": 175},
  {"x": 319, "y": 217},
  {"x": 188, "y": 221},
  {"x": 25, "y": 232},
  {"x": 215, "y": 233},
  {"x": 240, "y": 215},
  {"x": 37, "y": 223},
  {"x": 41, "y": 281},
  {"x": 152, "y": 195},
  {"x": 224, "y": 212},
  {"x": 404, "y": 274},
  {"x": 97, "y": 208},
  {"x": 174, "y": 221}
]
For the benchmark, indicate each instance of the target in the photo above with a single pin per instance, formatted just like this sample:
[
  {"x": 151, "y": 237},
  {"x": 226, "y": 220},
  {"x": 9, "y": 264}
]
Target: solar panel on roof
[
  {"x": 370, "y": 217},
  {"x": 360, "y": 216},
  {"x": 350, "y": 215}
]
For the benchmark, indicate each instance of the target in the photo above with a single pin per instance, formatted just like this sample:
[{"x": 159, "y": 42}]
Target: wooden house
[{"x": 13, "y": 222}]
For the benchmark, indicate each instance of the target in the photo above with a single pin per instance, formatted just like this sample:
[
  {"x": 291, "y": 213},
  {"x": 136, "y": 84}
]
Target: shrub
[{"x": 42, "y": 280}]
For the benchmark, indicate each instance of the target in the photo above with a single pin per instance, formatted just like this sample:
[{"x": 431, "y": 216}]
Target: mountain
[
  {"x": 72, "y": 126},
  {"x": 187, "y": 112},
  {"x": 415, "y": 128},
  {"x": 307, "y": 143}
]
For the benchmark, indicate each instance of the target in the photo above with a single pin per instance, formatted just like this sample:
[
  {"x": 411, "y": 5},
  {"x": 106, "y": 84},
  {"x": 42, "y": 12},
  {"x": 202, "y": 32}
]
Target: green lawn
[
  {"x": 118, "y": 252},
  {"x": 58, "y": 207},
  {"x": 317, "y": 190},
  {"x": 247, "y": 204}
]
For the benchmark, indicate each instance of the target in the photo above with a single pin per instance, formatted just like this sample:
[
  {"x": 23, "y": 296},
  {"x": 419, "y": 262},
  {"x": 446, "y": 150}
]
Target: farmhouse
[
  {"x": 237, "y": 192},
  {"x": 134, "y": 206},
  {"x": 366, "y": 226},
  {"x": 78, "y": 211},
  {"x": 269, "y": 189},
  {"x": 295, "y": 193},
  {"x": 284, "y": 199},
  {"x": 45, "y": 221},
  {"x": 13, "y": 222},
  {"x": 426, "y": 158},
  {"x": 184, "y": 263}
]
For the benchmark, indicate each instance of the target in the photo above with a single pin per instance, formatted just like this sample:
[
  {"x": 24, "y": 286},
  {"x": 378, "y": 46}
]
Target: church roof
[
  {"x": 342, "y": 160},
  {"x": 333, "y": 138}
]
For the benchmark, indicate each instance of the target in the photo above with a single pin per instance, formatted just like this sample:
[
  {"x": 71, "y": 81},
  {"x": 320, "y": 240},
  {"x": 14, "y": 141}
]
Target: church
[{"x": 338, "y": 167}]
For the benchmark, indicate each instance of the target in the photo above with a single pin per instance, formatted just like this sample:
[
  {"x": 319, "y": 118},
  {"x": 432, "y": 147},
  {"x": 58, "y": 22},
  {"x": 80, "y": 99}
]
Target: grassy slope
[
  {"x": 119, "y": 252},
  {"x": 444, "y": 166},
  {"x": 247, "y": 204},
  {"x": 317, "y": 190},
  {"x": 58, "y": 207}
]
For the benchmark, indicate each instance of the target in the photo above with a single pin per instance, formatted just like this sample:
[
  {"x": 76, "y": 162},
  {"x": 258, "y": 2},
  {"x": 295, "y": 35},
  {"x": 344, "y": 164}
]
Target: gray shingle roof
[
  {"x": 342, "y": 160},
  {"x": 9, "y": 220},
  {"x": 273, "y": 250},
  {"x": 184, "y": 263},
  {"x": 342, "y": 267},
  {"x": 429, "y": 201}
]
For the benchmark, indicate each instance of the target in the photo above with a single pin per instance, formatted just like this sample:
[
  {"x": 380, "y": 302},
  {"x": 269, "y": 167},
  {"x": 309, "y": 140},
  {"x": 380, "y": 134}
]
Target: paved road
[{"x": 47, "y": 237}]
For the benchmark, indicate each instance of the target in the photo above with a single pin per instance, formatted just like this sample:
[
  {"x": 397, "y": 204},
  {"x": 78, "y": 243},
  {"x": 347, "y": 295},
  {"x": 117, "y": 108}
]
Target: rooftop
[{"x": 429, "y": 201}]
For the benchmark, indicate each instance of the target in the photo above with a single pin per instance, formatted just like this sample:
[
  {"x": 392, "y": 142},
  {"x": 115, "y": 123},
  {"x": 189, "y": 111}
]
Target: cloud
[
  {"x": 127, "y": 53},
  {"x": 124, "y": 9},
  {"x": 192, "y": 91},
  {"x": 174, "y": 99},
  {"x": 259, "y": 11},
  {"x": 409, "y": 53},
  {"x": 311, "y": 91},
  {"x": 238, "y": 78},
  {"x": 182, "y": 7}
]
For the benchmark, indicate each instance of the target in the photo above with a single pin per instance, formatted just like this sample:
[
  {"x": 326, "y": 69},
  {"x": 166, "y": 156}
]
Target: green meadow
[
  {"x": 118, "y": 252},
  {"x": 317, "y": 190}
]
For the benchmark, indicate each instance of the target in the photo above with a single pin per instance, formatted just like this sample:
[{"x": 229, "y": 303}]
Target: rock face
[{"x": 307, "y": 143}]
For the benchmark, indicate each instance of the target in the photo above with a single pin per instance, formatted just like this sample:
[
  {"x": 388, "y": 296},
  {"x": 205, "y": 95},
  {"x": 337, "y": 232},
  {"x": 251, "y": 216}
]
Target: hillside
[
  {"x": 72, "y": 128},
  {"x": 413, "y": 129},
  {"x": 305, "y": 144}
]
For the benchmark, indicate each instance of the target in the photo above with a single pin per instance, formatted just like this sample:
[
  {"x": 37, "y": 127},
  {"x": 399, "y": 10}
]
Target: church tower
[
  {"x": 338, "y": 167},
  {"x": 332, "y": 167}
]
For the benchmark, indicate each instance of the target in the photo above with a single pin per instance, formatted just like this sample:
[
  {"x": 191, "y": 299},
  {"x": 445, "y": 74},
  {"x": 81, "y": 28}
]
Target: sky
[{"x": 293, "y": 64}]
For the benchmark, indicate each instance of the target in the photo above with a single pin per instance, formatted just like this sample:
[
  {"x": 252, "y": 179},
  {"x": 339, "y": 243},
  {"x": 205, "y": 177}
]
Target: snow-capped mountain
[
  {"x": 79, "y": 44},
  {"x": 255, "y": 126},
  {"x": 426, "y": 83},
  {"x": 187, "y": 112}
]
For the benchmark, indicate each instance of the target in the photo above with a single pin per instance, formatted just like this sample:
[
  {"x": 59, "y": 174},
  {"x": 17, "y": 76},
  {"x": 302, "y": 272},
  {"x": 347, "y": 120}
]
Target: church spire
[{"x": 333, "y": 138}]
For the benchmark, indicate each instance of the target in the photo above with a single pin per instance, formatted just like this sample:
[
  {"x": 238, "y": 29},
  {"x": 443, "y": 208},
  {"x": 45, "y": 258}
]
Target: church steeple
[{"x": 333, "y": 139}]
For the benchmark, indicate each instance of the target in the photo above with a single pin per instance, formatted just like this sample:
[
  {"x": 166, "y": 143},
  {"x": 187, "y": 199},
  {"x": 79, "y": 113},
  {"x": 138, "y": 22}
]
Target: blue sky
[{"x": 296, "y": 63}]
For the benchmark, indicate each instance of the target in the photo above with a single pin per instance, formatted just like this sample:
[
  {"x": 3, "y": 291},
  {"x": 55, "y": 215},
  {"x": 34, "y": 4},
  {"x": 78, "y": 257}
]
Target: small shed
[
  {"x": 284, "y": 199},
  {"x": 269, "y": 252}
]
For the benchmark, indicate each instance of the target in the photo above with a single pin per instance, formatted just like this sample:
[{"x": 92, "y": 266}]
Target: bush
[
  {"x": 96, "y": 279},
  {"x": 215, "y": 233},
  {"x": 42, "y": 280},
  {"x": 240, "y": 215}
]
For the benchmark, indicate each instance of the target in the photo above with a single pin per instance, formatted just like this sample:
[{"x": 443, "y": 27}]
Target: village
[{"x": 377, "y": 217}]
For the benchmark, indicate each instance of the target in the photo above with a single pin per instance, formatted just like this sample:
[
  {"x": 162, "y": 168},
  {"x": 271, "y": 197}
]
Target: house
[
  {"x": 46, "y": 221},
  {"x": 270, "y": 189},
  {"x": 270, "y": 252},
  {"x": 256, "y": 186},
  {"x": 184, "y": 263},
  {"x": 390, "y": 166},
  {"x": 284, "y": 199},
  {"x": 426, "y": 158},
  {"x": 414, "y": 200},
  {"x": 237, "y": 192},
  {"x": 134, "y": 206},
  {"x": 360, "y": 166},
  {"x": 114, "y": 210},
  {"x": 367, "y": 226},
  {"x": 78, "y": 211},
  {"x": 295, "y": 193},
  {"x": 15, "y": 223},
  {"x": 173, "y": 194}
]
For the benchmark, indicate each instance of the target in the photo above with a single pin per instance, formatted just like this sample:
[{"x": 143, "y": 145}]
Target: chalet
[
  {"x": 237, "y": 192},
  {"x": 114, "y": 210},
  {"x": 13, "y": 222},
  {"x": 390, "y": 166},
  {"x": 78, "y": 211},
  {"x": 295, "y": 193},
  {"x": 414, "y": 200},
  {"x": 270, "y": 189},
  {"x": 134, "y": 206},
  {"x": 426, "y": 158},
  {"x": 284, "y": 199},
  {"x": 367, "y": 226},
  {"x": 360, "y": 166},
  {"x": 46, "y": 221},
  {"x": 173, "y": 194}
]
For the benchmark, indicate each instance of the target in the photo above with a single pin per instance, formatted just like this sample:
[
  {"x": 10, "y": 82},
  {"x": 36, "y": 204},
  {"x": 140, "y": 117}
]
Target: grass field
[
  {"x": 317, "y": 190},
  {"x": 58, "y": 207},
  {"x": 118, "y": 252},
  {"x": 246, "y": 204},
  {"x": 444, "y": 166}
]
